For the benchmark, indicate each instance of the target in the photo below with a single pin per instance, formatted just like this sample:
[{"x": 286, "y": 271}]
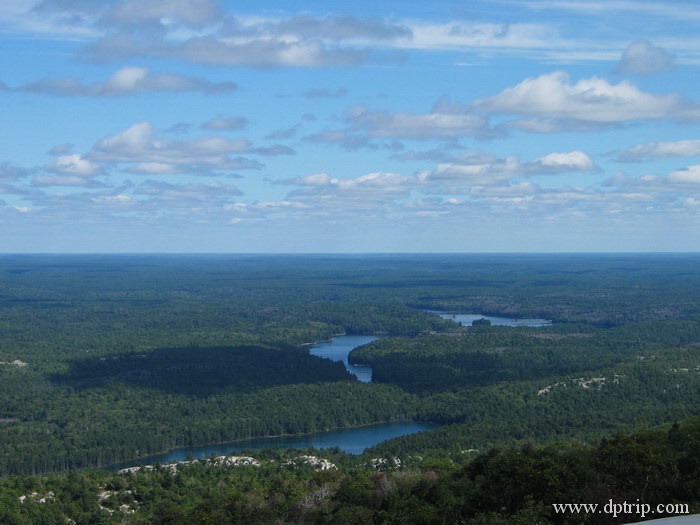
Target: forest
[
  {"x": 105, "y": 359},
  {"x": 660, "y": 467}
]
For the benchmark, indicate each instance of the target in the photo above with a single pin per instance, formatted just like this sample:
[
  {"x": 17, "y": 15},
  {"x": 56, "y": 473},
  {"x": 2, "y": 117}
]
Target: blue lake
[
  {"x": 338, "y": 350},
  {"x": 466, "y": 319},
  {"x": 350, "y": 440}
]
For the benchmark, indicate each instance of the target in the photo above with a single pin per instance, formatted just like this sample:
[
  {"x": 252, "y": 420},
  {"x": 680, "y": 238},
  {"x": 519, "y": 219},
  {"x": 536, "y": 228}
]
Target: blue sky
[{"x": 493, "y": 126}]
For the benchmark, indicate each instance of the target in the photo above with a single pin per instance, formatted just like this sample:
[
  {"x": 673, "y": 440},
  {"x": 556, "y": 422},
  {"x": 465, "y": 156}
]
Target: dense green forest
[
  {"x": 104, "y": 359},
  {"x": 656, "y": 468}
]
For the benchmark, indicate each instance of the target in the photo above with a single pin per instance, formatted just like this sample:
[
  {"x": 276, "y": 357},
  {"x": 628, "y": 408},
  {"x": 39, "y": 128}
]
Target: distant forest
[{"x": 110, "y": 358}]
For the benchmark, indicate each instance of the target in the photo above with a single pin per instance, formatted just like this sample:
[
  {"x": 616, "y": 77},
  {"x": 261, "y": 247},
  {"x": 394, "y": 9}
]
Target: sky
[{"x": 266, "y": 126}]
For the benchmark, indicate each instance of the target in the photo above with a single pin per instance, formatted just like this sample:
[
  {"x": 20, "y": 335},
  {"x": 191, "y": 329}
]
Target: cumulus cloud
[
  {"x": 140, "y": 146},
  {"x": 220, "y": 123},
  {"x": 662, "y": 149},
  {"x": 591, "y": 100},
  {"x": 562, "y": 162},
  {"x": 689, "y": 175},
  {"x": 373, "y": 190},
  {"x": 643, "y": 58},
  {"x": 75, "y": 165},
  {"x": 125, "y": 81},
  {"x": 484, "y": 180},
  {"x": 139, "y": 141},
  {"x": 477, "y": 168}
]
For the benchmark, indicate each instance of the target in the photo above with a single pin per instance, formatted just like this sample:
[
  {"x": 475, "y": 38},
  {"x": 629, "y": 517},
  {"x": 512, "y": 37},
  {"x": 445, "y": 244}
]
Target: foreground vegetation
[{"x": 516, "y": 485}]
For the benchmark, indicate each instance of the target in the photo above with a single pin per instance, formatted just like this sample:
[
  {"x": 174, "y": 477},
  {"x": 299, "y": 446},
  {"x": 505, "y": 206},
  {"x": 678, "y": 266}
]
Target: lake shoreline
[{"x": 121, "y": 464}]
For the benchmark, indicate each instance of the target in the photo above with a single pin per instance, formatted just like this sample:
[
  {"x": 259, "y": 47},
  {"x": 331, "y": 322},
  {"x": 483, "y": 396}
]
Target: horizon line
[{"x": 5, "y": 254}]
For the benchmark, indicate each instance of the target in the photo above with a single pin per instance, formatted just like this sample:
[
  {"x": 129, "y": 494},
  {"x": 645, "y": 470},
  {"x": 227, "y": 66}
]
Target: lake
[
  {"x": 466, "y": 319},
  {"x": 351, "y": 440},
  {"x": 338, "y": 349}
]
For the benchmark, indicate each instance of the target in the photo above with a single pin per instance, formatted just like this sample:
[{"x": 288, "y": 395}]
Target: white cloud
[
  {"x": 193, "y": 30},
  {"x": 139, "y": 144},
  {"x": 662, "y": 149},
  {"x": 458, "y": 35},
  {"x": 141, "y": 149},
  {"x": 265, "y": 53},
  {"x": 317, "y": 179},
  {"x": 427, "y": 126},
  {"x": 689, "y": 175},
  {"x": 75, "y": 165},
  {"x": 476, "y": 168},
  {"x": 560, "y": 162},
  {"x": 374, "y": 191},
  {"x": 588, "y": 100},
  {"x": 228, "y": 52},
  {"x": 195, "y": 13},
  {"x": 128, "y": 80},
  {"x": 643, "y": 58}
]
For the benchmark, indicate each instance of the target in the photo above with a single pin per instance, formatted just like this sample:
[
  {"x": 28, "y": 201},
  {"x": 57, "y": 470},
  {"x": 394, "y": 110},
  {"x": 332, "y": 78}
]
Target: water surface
[
  {"x": 338, "y": 349},
  {"x": 351, "y": 440},
  {"x": 466, "y": 319}
]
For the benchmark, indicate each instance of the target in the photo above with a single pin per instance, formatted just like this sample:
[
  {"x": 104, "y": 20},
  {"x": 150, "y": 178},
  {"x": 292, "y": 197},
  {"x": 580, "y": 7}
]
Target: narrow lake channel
[
  {"x": 351, "y": 440},
  {"x": 338, "y": 349}
]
